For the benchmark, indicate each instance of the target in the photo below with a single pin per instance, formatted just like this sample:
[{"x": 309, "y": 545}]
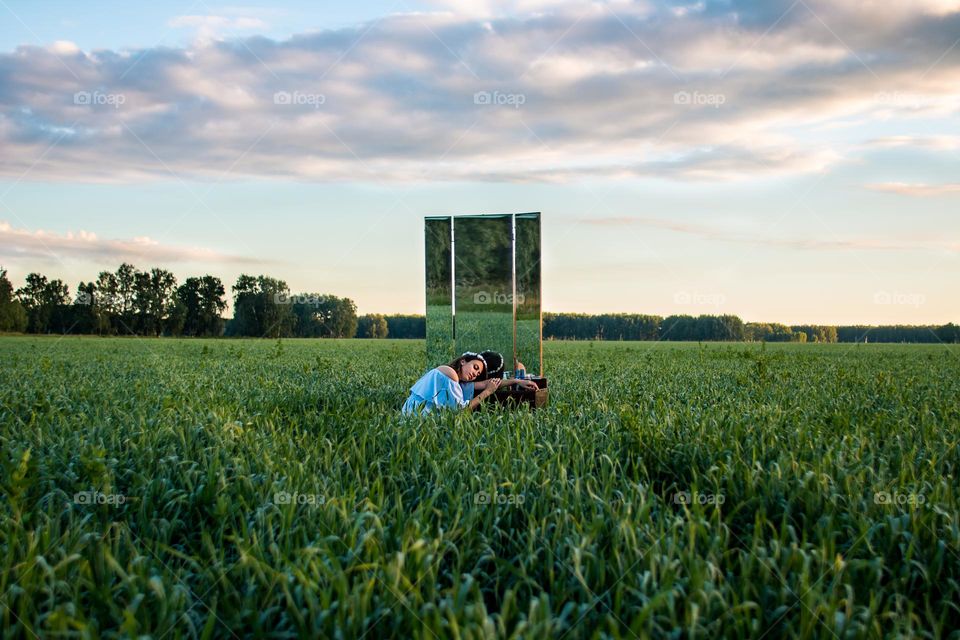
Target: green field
[{"x": 237, "y": 488}]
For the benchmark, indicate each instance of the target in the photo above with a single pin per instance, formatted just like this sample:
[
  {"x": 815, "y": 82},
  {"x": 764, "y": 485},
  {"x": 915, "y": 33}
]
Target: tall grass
[{"x": 232, "y": 488}]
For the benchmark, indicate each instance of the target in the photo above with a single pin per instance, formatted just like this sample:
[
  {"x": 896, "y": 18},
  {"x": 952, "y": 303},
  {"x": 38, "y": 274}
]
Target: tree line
[
  {"x": 127, "y": 301},
  {"x": 627, "y": 326},
  {"x": 152, "y": 303}
]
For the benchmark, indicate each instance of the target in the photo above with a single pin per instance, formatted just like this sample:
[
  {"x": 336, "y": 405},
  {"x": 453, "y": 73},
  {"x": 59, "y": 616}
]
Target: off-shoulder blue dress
[{"x": 436, "y": 390}]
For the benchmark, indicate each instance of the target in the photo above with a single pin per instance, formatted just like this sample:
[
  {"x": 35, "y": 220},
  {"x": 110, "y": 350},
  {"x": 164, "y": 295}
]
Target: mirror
[
  {"x": 483, "y": 288},
  {"x": 483, "y": 277},
  {"x": 438, "y": 238},
  {"x": 528, "y": 323}
]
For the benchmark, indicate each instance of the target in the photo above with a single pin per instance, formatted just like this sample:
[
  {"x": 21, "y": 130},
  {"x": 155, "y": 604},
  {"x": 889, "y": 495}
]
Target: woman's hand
[
  {"x": 490, "y": 387},
  {"x": 522, "y": 383}
]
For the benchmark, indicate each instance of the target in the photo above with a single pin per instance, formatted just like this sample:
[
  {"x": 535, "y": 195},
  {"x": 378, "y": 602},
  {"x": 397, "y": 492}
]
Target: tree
[
  {"x": 679, "y": 327},
  {"x": 262, "y": 307},
  {"x": 141, "y": 322},
  {"x": 324, "y": 316},
  {"x": 153, "y": 299},
  {"x": 106, "y": 302},
  {"x": 86, "y": 318},
  {"x": 344, "y": 321},
  {"x": 13, "y": 316},
  {"x": 817, "y": 333},
  {"x": 45, "y": 302},
  {"x": 245, "y": 321},
  {"x": 949, "y": 333},
  {"x": 406, "y": 326},
  {"x": 373, "y": 325},
  {"x": 199, "y": 303},
  {"x": 164, "y": 287},
  {"x": 126, "y": 295},
  {"x": 769, "y": 332}
]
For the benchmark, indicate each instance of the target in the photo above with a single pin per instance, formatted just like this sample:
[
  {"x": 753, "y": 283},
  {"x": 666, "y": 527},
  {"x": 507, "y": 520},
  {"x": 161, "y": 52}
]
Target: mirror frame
[{"x": 432, "y": 335}]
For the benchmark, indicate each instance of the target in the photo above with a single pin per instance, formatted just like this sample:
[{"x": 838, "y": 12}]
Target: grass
[{"x": 243, "y": 488}]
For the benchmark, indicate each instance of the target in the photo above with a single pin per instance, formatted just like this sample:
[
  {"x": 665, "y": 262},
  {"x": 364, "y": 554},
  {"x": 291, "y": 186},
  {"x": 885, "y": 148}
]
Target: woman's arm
[
  {"x": 481, "y": 385},
  {"x": 522, "y": 382},
  {"x": 526, "y": 384},
  {"x": 450, "y": 373},
  {"x": 489, "y": 387}
]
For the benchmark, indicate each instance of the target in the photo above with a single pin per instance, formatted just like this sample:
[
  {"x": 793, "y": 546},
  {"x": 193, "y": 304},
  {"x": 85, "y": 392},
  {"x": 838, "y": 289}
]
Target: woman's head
[
  {"x": 494, "y": 363},
  {"x": 468, "y": 366}
]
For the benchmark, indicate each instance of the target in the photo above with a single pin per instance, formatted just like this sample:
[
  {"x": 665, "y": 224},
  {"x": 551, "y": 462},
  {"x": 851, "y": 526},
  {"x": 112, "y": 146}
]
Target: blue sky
[
  {"x": 120, "y": 24},
  {"x": 784, "y": 161}
]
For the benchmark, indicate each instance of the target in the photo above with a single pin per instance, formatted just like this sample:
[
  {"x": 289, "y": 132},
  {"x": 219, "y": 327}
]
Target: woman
[{"x": 453, "y": 385}]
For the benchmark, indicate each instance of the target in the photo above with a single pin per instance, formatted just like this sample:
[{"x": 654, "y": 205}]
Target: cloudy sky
[{"x": 783, "y": 160}]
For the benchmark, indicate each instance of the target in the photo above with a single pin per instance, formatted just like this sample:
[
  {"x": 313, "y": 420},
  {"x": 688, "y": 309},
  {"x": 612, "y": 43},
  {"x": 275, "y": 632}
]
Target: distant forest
[{"x": 152, "y": 303}]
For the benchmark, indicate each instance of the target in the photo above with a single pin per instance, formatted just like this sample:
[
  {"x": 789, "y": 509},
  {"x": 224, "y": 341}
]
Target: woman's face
[{"x": 470, "y": 369}]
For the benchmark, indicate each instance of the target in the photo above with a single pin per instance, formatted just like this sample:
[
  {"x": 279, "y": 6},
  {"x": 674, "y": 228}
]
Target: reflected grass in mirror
[
  {"x": 528, "y": 321},
  {"x": 439, "y": 283},
  {"x": 483, "y": 275}
]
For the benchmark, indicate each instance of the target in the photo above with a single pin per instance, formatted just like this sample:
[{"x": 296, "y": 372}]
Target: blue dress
[{"x": 435, "y": 390}]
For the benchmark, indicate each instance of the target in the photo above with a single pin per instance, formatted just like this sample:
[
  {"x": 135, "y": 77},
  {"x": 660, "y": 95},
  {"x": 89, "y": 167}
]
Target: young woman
[{"x": 453, "y": 385}]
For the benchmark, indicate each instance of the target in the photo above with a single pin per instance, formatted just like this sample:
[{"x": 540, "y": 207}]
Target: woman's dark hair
[
  {"x": 465, "y": 358},
  {"x": 494, "y": 368}
]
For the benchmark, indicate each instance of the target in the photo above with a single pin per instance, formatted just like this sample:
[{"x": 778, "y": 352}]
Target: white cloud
[
  {"x": 814, "y": 244},
  {"x": 938, "y": 143},
  {"x": 64, "y": 48},
  {"x": 915, "y": 189},
  {"x": 574, "y": 91},
  {"x": 24, "y": 243}
]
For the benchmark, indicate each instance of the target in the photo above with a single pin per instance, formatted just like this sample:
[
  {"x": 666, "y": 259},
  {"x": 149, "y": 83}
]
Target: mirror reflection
[
  {"x": 483, "y": 276},
  {"x": 439, "y": 313},
  {"x": 483, "y": 288},
  {"x": 528, "y": 323}
]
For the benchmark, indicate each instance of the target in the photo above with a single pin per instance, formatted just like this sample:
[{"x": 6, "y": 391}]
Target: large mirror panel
[
  {"x": 439, "y": 270},
  {"x": 483, "y": 277},
  {"x": 527, "y": 255}
]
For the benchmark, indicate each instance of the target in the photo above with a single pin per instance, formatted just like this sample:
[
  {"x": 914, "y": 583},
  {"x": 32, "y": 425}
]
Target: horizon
[
  {"x": 228, "y": 312},
  {"x": 784, "y": 162}
]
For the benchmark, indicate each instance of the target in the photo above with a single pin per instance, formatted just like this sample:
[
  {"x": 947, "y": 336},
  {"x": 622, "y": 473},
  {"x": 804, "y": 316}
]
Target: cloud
[
  {"x": 916, "y": 189},
  {"x": 815, "y": 244},
  {"x": 538, "y": 92},
  {"x": 939, "y": 143},
  {"x": 24, "y": 243}
]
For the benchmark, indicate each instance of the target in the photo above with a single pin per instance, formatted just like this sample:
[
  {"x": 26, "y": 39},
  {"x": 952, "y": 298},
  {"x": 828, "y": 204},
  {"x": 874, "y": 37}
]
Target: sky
[{"x": 788, "y": 161}]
